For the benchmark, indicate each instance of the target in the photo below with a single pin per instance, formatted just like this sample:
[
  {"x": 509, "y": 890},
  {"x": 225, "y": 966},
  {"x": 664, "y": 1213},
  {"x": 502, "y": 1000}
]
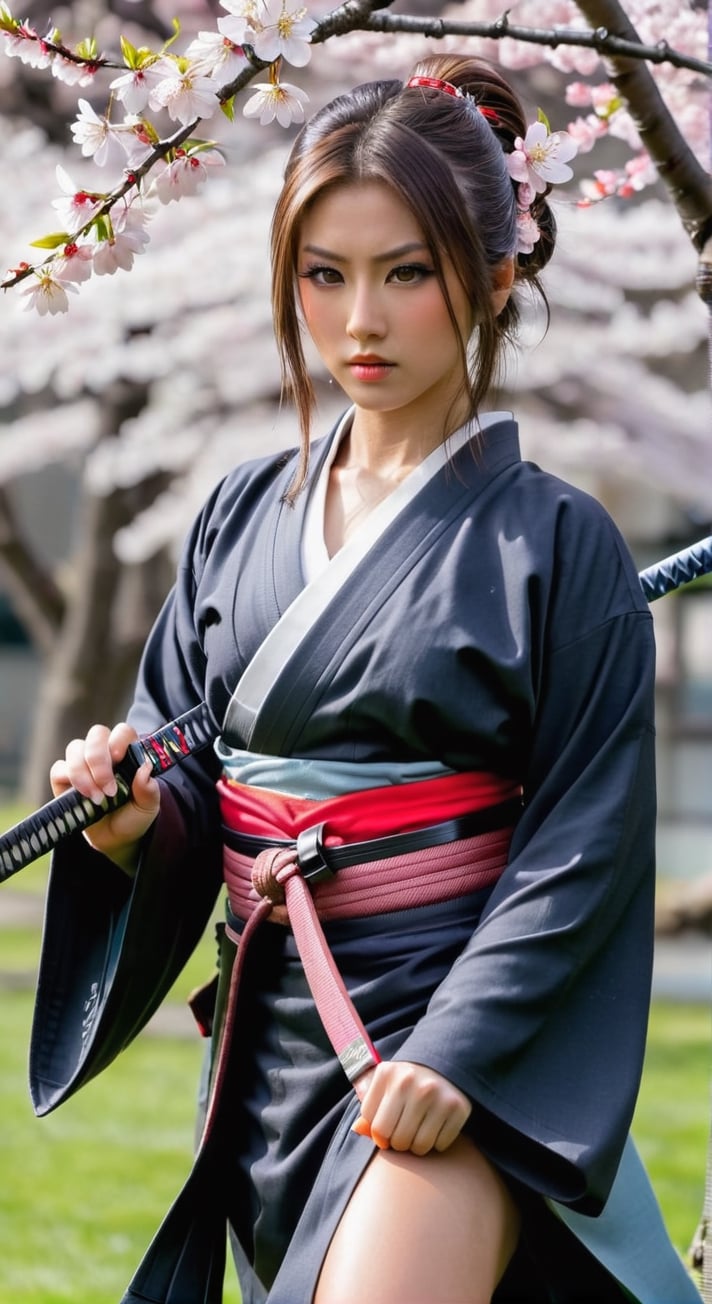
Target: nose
[{"x": 366, "y": 319}]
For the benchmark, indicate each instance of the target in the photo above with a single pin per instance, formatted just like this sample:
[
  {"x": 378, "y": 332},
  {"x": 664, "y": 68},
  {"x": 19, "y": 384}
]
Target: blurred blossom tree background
[{"x": 118, "y": 417}]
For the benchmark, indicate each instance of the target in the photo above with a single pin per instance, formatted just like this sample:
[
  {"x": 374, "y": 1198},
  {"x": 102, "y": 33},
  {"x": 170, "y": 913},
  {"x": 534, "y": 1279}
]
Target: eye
[
  {"x": 409, "y": 273},
  {"x": 321, "y": 275}
]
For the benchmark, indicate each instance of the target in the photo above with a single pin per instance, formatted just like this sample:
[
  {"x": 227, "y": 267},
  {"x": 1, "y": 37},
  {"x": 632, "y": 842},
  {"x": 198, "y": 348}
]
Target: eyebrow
[{"x": 415, "y": 246}]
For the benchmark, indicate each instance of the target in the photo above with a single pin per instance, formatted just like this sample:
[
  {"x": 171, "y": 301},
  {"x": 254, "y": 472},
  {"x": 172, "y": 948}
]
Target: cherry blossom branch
[
  {"x": 358, "y": 15},
  {"x": 689, "y": 185},
  {"x": 262, "y": 41}
]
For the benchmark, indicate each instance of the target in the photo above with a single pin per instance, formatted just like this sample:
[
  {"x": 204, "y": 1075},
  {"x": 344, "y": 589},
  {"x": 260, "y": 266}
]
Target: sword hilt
[
  {"x": 40, "y": 832},
  {"x": 678, "y": 569}
]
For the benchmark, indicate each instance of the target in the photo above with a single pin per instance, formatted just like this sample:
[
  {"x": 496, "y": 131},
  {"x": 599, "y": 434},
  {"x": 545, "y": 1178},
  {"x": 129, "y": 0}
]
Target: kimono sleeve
[
  {"x": 542, "y": 1019},
  {"x": 113, "y": 946}
]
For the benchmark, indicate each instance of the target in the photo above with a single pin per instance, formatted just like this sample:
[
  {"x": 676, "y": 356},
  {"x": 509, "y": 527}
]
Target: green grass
[
  {"x": 84, "y": 1189},
  {"x": 672, "y": 1120}
]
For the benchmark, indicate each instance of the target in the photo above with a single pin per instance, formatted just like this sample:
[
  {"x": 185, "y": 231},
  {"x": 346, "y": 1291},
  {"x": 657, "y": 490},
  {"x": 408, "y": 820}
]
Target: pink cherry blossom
[
  {"x": 602, "y": 96},
  {"x": 578, "y": 94},
  {"x": 641, "y": 171},
  {"x": 541, "y": 157},
  {"x": 527, "y": 232},
  {"x": 586, "y": 131},
  {"x": 74, "y": 263}
]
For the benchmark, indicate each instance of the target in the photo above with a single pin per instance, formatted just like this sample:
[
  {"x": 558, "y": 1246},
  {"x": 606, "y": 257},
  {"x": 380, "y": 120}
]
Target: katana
[
  {"x": 678, "y": 569},
  {"x": 40, "y": 832},
  {"x": 173, "y": 743}
]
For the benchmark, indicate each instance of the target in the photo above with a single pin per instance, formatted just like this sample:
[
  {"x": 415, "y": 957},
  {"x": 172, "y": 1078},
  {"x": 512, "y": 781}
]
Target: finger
[
  {"x": 79, "y": 767},
  {"x": 388, "y": 1122},
  {"x": 414, "y": 1120},
  {"x": 145, "y": 792},
  {"x": 451, "y": 1129},
  {"x": 58, "y": 778},
  {"x": 120, "y": 739},
  {"x": 380, "y": 1140},
  {"x": 99, "y": 758}
]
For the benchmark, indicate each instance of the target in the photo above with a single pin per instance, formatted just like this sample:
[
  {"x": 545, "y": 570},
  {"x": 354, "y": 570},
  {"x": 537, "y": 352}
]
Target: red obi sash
[
  {"x": 370, "y": 813},
  {"x": 298, "y": 862}
]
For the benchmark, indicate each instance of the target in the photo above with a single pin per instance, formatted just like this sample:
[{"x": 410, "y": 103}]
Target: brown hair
[{"x": 446, "y": 161}]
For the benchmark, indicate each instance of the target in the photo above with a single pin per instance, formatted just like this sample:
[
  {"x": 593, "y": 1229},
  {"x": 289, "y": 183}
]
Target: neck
[{"x": 388, "y": 446}]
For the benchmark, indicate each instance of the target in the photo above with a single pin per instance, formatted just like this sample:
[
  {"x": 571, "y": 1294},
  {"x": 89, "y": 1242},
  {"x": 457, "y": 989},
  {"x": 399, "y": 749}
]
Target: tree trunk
[{"x": 88, "y": 675}]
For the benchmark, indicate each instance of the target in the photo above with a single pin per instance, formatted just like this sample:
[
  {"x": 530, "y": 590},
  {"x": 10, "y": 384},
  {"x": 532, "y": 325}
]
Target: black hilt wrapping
[{"x": 40, "y": 832}]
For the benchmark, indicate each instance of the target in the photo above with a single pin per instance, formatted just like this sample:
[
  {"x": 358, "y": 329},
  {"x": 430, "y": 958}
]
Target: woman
[{"x": 433, "y": 665}]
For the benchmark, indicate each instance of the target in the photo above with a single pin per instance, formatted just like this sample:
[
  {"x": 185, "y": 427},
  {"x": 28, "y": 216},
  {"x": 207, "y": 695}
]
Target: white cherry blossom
[
  {"x": 278, "y": 100},
  {"x": 242, "y": 24},
  {"x": 185, "y": 174},
  {"x": 274, "y": 28},
  {"x": 128, "y": 238},
  {"x": 79, "y": 206},
  {"x": 25, "y": 44},
  {"x": 99, "y": 139},
  {"x": 134, "y": 87},
  {"x": 71, "y": 73},
  {"x": 185, "y": 95},
  {"x": 46, "y": 295},
  {"x": 285, "y": 32},
  {"x": 216, "y": 56}
]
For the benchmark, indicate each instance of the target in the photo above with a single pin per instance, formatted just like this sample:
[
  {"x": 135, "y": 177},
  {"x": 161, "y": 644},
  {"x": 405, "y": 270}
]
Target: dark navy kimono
[{"x": 499, "y": 624}]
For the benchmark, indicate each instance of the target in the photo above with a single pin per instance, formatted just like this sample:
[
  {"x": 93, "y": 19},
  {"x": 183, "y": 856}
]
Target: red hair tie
[{"x": 437, "y": 84}]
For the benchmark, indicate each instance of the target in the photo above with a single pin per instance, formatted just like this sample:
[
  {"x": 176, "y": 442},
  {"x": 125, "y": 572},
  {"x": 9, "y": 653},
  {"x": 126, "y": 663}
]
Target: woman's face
[{"x": 373, "y": 304}]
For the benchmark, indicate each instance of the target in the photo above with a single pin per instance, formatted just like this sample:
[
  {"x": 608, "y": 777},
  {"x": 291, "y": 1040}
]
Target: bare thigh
[{"x": 437, "y": 1229}]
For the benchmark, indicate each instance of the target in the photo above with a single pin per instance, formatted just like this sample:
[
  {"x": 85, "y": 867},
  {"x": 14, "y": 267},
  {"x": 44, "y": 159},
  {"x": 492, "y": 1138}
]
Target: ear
[{"x": 502, "y": 282}]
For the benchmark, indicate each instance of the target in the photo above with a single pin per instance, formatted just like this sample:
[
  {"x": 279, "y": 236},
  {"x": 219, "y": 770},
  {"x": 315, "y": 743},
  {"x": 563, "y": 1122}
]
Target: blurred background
[{"x": 118, "y": 418}]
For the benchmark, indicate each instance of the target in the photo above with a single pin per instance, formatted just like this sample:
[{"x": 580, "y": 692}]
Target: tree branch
[
  {"x": 358, "y": 15},
  {"x": 613, "y": 36}
]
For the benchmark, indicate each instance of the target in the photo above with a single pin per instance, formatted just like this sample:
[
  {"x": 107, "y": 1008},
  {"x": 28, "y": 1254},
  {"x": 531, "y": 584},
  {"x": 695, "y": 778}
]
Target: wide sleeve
[
  {"x": 112, "y": 946},
  {"x": 542, "y": 1019}
]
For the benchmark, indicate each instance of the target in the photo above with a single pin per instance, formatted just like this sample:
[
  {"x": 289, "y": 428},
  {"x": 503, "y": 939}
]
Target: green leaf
[
  {"x": 52, "y": 241},
  {"x": 87, "y": 49},
  {"x": 541, "y": 117},
  {"x": 104, "y": 227},
  {"x": 228, "y": 108},
  {"x": 7, "y": 22},
  {"x": 130, "y": 54}
]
